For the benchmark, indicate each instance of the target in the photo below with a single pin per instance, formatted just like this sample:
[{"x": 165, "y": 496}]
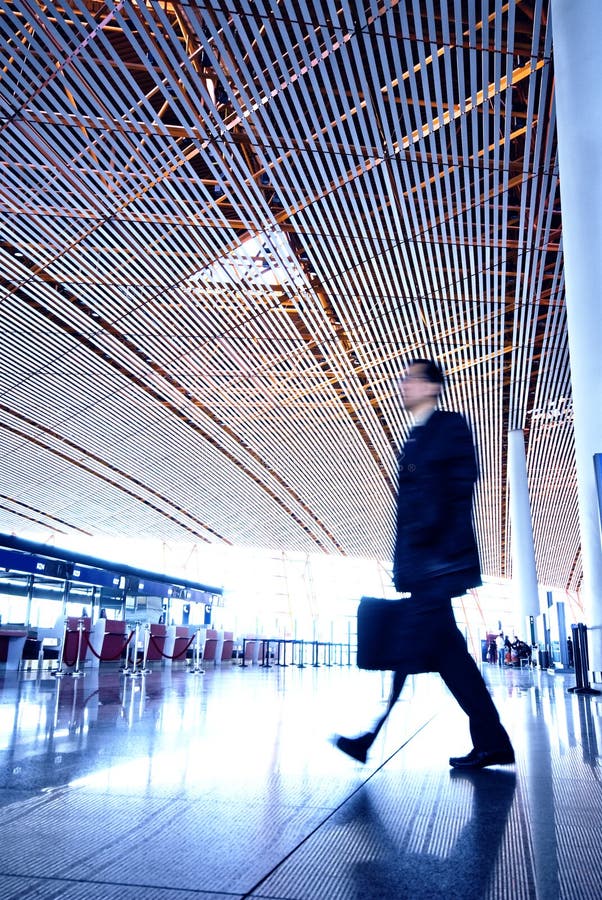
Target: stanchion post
[
  {"x": 147, "y": 637},
  {"x": 578, "y": 662},
  {"x": 581, "y": 661},
  {"x": 315, "y": 651},
  {"x": 137, "y": 669},
  {"x": 125, "y": 668},
  {"x": 77, "y": 672},
  {"x": 329, "y": 646},
  {"x": 196, "y": 669},
  {"x": 134, "y": 670},
  {"x": 265, "y": 645},
  {"x": 58, "y": 673},
  {"x": 282, "y": 641}
]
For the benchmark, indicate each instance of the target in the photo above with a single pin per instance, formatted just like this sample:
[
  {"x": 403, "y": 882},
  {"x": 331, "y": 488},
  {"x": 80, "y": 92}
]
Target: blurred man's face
[{"x": 417, "y": 393}]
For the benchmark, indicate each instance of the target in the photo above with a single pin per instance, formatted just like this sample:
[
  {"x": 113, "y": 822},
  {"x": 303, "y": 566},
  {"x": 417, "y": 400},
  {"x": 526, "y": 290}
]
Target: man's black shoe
[
  {"x": 480, "y": 759},
  {"x": 356, "y": 747}
]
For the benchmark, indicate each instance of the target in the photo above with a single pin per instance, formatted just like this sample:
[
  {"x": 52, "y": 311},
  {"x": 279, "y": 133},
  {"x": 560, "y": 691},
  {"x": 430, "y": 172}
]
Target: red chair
[
  {"x": 76, "y": 638},
  {"x": 251, "y": 649},
  {"x": 210, "y": 645},
  {"x": 156, "y": 642},
  {"x": 227, "y": 646},
  {"x": 181, "y": 642},
  {"x": 114, "y": 640}
]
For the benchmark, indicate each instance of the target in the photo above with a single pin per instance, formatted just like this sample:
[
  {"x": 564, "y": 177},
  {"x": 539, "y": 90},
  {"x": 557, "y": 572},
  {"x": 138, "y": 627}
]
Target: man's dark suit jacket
[{"x": 434, "y": 536}]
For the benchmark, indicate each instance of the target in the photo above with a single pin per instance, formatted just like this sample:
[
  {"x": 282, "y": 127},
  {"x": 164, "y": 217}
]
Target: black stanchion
[
  {"x": 282, "y": 642},
  {"x": 315, "y": 646},
  {"x": 581, "y": 661},
  {"x": 265, "y": 653}
]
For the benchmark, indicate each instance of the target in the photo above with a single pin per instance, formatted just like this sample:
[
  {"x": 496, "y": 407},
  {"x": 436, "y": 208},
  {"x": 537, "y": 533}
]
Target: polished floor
[{"x": 225, "y": 785}]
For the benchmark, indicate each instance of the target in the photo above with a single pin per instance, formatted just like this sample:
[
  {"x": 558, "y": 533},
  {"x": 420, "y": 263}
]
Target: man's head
[{"x": 421, "y": 385}]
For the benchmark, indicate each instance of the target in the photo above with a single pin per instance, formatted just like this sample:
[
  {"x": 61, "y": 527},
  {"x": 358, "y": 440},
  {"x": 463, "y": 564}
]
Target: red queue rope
[
  {"x": 86, "y": 642},
  {"x": 83, "y": 634},
  {"x": 110, "y": 658},
  {"x": 166, "y": 655},
  {"x": 113, "y": 658}
]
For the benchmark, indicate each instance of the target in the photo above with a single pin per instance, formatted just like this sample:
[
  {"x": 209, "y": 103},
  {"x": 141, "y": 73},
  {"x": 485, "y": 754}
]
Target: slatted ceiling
[
  {"x": 66, "y": 492},
  {"x": 407, "y": 155}
]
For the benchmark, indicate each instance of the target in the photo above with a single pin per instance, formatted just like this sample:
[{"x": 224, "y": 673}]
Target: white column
[
  {"x": 577, "y": 30},
  {"x": 524, "y": 573}
]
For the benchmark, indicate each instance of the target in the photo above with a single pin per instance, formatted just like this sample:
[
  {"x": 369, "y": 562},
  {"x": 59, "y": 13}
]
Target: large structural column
[
  {"x": 524, "y": 573},
  {"x": 577, "y": 27}
]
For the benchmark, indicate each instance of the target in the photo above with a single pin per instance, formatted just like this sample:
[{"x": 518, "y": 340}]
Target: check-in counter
[
  {"x": 12, "y": 643},
  {"x": 75, "y": 648},
  {"x": 107, "y": 641},
  {"x": 177, "y": 641},
  {"x": 156, "y": 642}
]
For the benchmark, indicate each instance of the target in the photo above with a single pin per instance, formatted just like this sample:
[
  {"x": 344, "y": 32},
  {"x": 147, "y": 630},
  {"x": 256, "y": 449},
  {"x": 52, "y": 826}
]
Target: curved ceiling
[{"x": 224, "y": 228}]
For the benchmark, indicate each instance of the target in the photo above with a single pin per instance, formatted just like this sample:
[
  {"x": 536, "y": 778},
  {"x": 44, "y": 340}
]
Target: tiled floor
[{"x": 175, "y": 785}]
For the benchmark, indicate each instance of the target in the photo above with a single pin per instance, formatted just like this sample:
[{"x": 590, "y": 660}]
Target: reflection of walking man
[{"x": 435, "y": 559}]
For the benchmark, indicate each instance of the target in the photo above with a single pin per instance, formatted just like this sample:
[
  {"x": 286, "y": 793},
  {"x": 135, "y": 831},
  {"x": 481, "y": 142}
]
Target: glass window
[{"x": 13, "y": 598}]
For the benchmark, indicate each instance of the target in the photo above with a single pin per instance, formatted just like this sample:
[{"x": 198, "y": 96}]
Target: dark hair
[{"x": 430, "y": 370}]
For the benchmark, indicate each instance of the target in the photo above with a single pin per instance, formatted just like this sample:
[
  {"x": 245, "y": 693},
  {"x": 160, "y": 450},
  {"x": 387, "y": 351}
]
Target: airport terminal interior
[
  {"x": 182, "y": 785},
  {"x": 154, "y": 760},
  {"x": 226, "y": 227}
]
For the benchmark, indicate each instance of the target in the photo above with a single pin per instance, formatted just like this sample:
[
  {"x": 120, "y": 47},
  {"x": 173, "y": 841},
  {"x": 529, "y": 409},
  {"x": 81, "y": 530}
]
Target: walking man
[{"x": 436, "y": 558}]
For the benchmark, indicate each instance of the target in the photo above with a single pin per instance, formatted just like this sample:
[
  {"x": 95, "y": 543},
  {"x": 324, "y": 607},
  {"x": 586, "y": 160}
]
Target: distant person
[
  {"x": 435, "y": 559},
  {"x": 520, "y": 651},
  {"x": 501, "y": 649},
  {"x": 569, "y": 647}
]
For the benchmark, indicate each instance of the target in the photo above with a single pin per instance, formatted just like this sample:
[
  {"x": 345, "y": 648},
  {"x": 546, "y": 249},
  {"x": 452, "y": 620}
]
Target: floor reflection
[
  {"x": 431, "y": 858},
  {"x": 242, "y": 757}
]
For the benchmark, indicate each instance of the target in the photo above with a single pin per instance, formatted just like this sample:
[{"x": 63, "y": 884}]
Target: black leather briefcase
[
  {"x": 381, "y": 633},
  {"x": 396, "y": 635}
]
